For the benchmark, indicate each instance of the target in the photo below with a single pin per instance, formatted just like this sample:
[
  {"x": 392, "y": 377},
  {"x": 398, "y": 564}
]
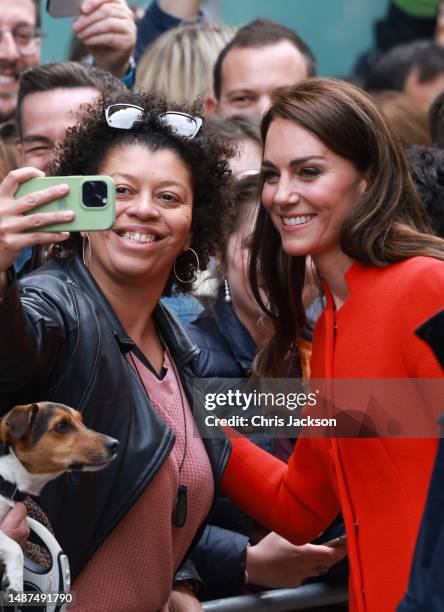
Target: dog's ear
[{"x": 20, "y": 419}]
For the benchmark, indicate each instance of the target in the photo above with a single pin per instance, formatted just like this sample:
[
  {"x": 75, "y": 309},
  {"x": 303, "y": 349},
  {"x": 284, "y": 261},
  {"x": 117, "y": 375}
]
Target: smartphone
[
  {"x": 92, "y": 198},
  {"x": 63, "y": 8},
  {"x": 336, "y": 542}
]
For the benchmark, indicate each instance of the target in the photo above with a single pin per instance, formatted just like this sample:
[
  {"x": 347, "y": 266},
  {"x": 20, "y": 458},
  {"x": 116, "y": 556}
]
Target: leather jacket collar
[{"x": 182, "y": 348}]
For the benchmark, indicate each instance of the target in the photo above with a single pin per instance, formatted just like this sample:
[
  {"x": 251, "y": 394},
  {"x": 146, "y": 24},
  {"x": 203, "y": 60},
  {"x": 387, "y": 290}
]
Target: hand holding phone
[
  {"x": 20, "y": 223},
  {"x": 91, "y": 198},
  {"x": 108, "y": 31},
  {"x": 63, "y": 8}
]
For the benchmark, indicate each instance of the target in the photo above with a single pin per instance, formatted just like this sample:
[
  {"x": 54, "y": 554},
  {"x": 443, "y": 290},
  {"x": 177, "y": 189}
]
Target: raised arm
[
  {"x": 161, "y": 16},
  {"x": 108, "y": 30},
  {"x": 186, "y": 10},
  {"x": 30, "y": 335}
]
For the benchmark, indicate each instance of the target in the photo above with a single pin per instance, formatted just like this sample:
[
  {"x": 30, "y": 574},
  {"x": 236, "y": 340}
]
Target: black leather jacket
[{"x": 61, "y": 342}]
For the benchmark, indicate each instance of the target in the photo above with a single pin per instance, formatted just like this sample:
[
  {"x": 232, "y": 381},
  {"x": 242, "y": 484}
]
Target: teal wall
[{"x": 337, "y": 30}]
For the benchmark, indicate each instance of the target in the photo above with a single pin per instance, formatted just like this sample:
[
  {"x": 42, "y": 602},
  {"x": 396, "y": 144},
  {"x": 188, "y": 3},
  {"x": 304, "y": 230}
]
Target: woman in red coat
[{"x": 336, "y": 188}]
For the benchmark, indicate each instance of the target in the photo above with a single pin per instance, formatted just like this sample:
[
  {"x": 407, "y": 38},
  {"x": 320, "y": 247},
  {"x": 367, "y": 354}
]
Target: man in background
[
  {"x": 106, "y": 27},
  {"x": 263, "y": 56}
]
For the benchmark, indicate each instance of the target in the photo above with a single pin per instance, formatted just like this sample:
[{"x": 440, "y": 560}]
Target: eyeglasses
[
  {"x": 26, "y": 39},
  {"x": 124, "y": 116}
]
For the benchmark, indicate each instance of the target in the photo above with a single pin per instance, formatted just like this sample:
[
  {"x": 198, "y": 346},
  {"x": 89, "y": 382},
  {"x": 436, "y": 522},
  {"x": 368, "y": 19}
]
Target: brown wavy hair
[{"x": 388, "y": 224}]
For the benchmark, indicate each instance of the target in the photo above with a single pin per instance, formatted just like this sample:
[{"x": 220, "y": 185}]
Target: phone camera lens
[{"x": 94, "y": 194}]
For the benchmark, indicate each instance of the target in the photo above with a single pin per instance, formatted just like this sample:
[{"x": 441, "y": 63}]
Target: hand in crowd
[
  {"x": 16, "y": 227},
  {"x": 276, "y": 563},
  {"x": 108, "y": 29},
  {"x": 182, "y": 600},
  {"x": 15, "y": 525}
]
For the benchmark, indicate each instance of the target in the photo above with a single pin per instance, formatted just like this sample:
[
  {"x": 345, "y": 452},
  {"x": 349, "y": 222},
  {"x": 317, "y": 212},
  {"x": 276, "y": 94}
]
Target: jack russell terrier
[{"x": 38, "y": 442}]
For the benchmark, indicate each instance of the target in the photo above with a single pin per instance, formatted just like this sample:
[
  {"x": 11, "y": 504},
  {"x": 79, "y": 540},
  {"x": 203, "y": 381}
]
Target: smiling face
[
  {"x": 154, "y": 199},
  {"x": 250, "y": 76},
  {"x": 309, "y": 191},
  {"x": 17, "y": 16},
  {"x": 42, "y": 131}
]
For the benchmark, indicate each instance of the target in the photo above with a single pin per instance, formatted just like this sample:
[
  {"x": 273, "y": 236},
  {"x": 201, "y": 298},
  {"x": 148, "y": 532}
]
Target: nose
[
  {"x": 285, "y": 193},
  {"x": 264, "y": 104},
  {"x": 144, "y": 208},
  {"x": 8, "y": 48},
  {"x": 111, "y": 445}
]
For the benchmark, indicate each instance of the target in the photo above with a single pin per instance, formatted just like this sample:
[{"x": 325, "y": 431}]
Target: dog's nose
[{"x": 112, "y": 445}]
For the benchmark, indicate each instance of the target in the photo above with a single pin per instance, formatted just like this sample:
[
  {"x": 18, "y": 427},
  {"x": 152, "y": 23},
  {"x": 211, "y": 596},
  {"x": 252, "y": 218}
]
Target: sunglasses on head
[{"x": 124, "y": 116}]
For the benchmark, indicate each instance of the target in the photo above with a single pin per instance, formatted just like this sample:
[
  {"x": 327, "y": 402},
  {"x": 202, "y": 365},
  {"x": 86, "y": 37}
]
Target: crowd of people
[{"x": 270, "y": 224}]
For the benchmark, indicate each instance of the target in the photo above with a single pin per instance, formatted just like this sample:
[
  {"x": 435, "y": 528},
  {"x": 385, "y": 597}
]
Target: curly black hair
[{"x": 87, "y": 145}]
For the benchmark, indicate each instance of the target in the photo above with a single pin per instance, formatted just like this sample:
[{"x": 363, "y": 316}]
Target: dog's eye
[{"x": 62, "y": 427}]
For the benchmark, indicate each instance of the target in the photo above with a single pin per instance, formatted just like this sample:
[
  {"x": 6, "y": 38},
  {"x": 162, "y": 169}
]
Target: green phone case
[{"x": 87, "y": 218}]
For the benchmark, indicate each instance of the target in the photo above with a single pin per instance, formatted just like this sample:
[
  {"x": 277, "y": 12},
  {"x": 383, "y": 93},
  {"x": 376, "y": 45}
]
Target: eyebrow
[
  {"x": 37, "y": 138},
  {"x": 294, "y": 162},
  {"x": 130, "y": 177},
  {"x": 236, "y": 92},
  {"x": 27, "y": 24},
  {"x": 241, "y": 90}
]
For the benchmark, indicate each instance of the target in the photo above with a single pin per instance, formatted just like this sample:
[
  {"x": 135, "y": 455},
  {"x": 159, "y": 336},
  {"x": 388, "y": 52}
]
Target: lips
[
  {"x": 8, "y": 81},
  {"x": 9, "y": 75},
  {"x": 79, "y": 466},
  {"x": 139, "y": 236},
  {"x": 297, "y": 220}
]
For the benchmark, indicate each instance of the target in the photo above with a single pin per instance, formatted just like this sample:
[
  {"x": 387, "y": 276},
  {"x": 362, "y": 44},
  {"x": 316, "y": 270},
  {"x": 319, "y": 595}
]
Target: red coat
[{"x": 379, "y": 484}]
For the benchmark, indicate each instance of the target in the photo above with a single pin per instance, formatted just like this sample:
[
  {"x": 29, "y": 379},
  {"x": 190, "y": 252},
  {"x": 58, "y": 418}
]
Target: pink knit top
[{"x": 133, "y": 569}]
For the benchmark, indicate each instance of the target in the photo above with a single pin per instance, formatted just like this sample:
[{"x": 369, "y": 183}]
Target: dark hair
[
  {"x": 392, "y": 69},
  {"x": 246, "y": 193},
  {"x": 69, "y": 75},
  {"x": 88, "y": 144},
  {"x": 261, "y": 33},
  {"x": 427, "y": 171},
  {"x": 436, "y": 121},
  {"x": 387, "y": 225},
  {"x": 236, "y": 127}
]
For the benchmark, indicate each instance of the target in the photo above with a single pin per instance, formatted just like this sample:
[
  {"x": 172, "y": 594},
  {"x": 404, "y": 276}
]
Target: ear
[
  {"x": 188, "y": 241},
  {"x": 364, "y": 183},
  {"x": 20, "y": 419},
  {"x": 210, "y": 105}
]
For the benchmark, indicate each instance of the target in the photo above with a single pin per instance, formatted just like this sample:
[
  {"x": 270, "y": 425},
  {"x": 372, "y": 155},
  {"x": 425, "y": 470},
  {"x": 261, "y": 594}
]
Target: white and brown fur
[{"x": 38, "y": 443}]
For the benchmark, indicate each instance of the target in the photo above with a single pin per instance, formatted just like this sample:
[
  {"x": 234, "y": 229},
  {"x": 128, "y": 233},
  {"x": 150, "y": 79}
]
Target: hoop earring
[
  {"x": 227, "y": 291},
  {"x": 174, "y": 267},
  {"x": 86, "y": 239}
]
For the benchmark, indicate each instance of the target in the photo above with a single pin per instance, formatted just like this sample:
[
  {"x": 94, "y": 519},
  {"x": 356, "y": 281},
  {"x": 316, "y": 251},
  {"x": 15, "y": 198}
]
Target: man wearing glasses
[
  {"x": 106, "y": 27},
  {"x": 19, "y": 48}
]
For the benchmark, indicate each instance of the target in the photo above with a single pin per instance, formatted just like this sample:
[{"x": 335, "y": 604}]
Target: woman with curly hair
[
  {"x": 88, "y": 330},
  {"x": 336, "y": 187}
]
